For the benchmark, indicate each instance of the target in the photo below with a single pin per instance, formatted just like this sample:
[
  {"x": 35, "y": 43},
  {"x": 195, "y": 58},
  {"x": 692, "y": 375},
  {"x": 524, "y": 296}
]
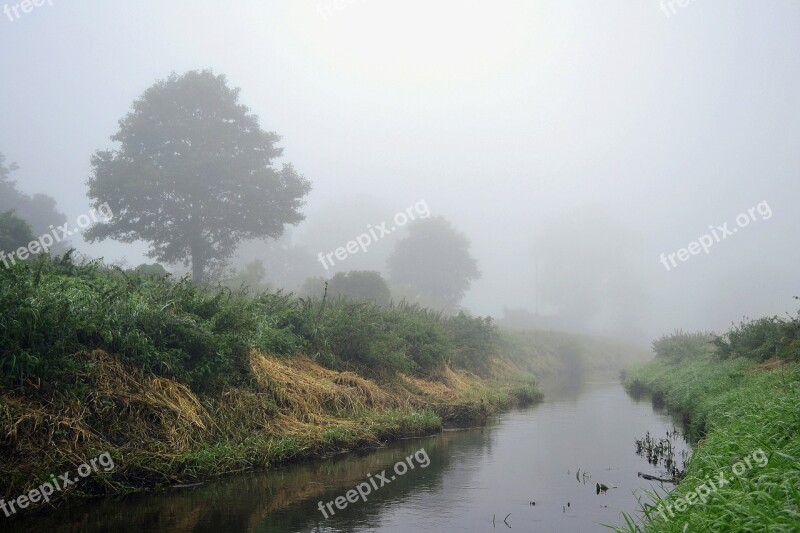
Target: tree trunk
[{"x": 198, "y": 264}]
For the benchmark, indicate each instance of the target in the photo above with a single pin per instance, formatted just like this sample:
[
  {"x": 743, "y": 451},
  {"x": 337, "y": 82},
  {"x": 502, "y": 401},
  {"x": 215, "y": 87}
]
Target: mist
[{"x": 581, "y": 148}]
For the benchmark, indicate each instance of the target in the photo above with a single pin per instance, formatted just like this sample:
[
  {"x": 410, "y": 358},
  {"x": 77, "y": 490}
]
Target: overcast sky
[{"x": 506, "y": 117}]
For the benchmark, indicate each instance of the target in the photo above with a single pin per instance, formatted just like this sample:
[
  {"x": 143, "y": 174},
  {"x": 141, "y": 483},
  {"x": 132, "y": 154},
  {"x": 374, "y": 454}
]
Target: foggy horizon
[{"x": 591, "y": 138}]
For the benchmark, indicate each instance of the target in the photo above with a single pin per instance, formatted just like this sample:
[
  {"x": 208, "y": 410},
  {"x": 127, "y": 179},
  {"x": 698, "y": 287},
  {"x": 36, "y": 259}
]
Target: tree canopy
[
  {"x": 434, "y": 259},
  {"x": 38, "y": 211},
  {"x": 360, "y": 285},
  {"x": 194, "y": 175},
  {"x": 15, "y": 233},
  {"x": 356, "y": 285}
]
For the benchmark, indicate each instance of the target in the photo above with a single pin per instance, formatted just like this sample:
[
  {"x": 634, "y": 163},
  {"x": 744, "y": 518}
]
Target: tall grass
[
  {"x": 762, "y": 339},
  {"x": 180, "y": 381},
  {"x": 679, "y": 345},
  {"x": 202, "y": 335},
  {"x": 733, "y": 409}
]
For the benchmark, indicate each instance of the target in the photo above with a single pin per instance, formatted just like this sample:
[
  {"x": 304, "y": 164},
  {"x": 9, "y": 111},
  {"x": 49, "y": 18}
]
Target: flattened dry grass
[
  {"x": 307, "y": 389},
  {"x": 160, "y": 432}
]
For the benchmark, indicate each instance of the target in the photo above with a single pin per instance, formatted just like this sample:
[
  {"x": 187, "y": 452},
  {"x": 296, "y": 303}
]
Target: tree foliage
[
  {"x": 14, "y": 232},
  {"x": 434, "y": 259},
  {"x": 194, "y": 175},
  {"x": 361, "y": 286},
  {"x": 39, "y": 210}
]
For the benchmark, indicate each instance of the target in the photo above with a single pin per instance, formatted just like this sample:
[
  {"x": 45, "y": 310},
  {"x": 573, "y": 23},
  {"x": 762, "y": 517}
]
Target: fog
[{"x": 572, "y": 143}]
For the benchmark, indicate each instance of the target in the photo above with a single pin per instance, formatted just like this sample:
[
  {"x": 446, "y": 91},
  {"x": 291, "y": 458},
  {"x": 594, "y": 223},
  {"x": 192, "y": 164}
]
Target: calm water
[{"x": 522, "y": 456}]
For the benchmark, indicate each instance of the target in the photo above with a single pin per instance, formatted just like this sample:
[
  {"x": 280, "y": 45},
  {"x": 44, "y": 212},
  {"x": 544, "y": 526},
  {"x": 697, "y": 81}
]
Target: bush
[
  {"x": 679, "y": 345},
  {"x": 200, "y": 335},
  {"x": 203, "y": 335},
  {"x": 427, "y": 343},
  {"x": 474, "y": 339},
  {"x": 361, "y": 286},
  {"x": 762, "y": 339}
]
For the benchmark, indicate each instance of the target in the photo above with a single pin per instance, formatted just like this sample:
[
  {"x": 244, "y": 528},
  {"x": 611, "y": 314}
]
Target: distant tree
[
  {"x": 360, "y": 285},
  {"x": 333, "y": 225},
  {"x": 153, "y": 270},
  {"x": 435, "y": 261},
  {"x": 250, "y": 277},
  {"x": 194, "y": 175},
  {"x": 313, "y": 288},
  {"x": 286, "y": 265},
  {"x": 39, "y": 210},
  {"x": 15, "y": 233},
  {"x": 5, "y": 171}
]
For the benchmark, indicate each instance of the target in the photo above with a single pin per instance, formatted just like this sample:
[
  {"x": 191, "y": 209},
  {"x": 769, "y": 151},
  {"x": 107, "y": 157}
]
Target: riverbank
[
  {"x": 179, "y": 382},
  {"x": 734, "y": 409},
  {"x": 160, "y": 432},
  {"x": 474, "y": 473}
]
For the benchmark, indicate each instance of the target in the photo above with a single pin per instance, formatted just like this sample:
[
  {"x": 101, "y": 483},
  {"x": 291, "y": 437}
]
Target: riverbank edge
[
  {"x": 161, "y": 434},
  {"x": 731, "y": 409}
]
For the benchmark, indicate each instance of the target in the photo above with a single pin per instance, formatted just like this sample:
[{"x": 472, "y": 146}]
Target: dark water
[{"x": 473, "y": 475}]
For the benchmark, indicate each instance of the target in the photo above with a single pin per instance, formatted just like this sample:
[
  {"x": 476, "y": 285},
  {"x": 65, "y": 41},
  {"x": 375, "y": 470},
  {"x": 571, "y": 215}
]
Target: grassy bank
[
  {"x": 180, "y": 382},
  {"x": 735, "y": 405},
  {"x": 551, "y": 354}
]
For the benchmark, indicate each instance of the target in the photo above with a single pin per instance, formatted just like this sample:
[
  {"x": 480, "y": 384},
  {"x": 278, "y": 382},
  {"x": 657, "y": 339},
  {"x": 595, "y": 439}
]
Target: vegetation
[
  {"x": 14, "y": 233},
  {"x": 762, "y": 339},
  {"x": 732, "y": 407},
  {"x": 194, "y": 175},
  {"x": 565, "y": 355},
  {"x": 679, "y": 345},
  {"x": 361, "y": 286},
  {"x": 435, "y": 261},
  {"x": 250, "y": 278},
  {"x": 38, "y": 211},
  {"x": 181, "y": 381},
  {"x": 202, "y": 336}
]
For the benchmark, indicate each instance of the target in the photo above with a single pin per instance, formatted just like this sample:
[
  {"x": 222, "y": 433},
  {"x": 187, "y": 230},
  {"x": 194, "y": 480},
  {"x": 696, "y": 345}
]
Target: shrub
[
  {"x": 361, "y": 286},
  {"x": 679, "y": 345},
  {"x": 474, "y": 339},
  {"x": 203, "y": 335},
  {"x": 762, "y": 339}
]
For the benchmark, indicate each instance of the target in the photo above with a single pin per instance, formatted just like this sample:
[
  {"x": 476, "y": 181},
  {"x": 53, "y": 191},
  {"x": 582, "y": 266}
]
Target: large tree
[
  {"x": 194, "y": 175},
  {"x": 434, "y": 259}
]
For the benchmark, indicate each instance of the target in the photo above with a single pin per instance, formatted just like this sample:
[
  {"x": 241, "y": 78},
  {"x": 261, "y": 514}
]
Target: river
[{"x": 478, "y": 479}]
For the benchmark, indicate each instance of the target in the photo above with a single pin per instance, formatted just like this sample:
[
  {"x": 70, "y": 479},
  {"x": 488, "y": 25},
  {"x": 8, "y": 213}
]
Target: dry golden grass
[
  {"x": 308, "y": 390},
  {"x": 155, "y": 408},
  {"x": 162, "y": 432}
]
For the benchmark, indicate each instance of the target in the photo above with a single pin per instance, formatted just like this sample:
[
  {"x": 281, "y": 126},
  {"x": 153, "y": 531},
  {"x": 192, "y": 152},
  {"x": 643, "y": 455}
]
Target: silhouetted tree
[
  {"x": 39, "y": 210},
  {"x": 435, "y": 261},
  {"x": 250, "y": 277},
  {"x": 360, "y": 285},
  {"x": 15, "y": 233},
  {"x": 313, "y": 287},
  {"x": 194, "y": 175},
  {"x": 150, "y": 271}
]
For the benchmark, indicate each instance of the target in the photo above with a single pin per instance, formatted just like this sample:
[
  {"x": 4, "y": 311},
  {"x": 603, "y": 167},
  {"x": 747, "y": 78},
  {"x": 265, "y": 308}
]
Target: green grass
[
  {"x": 159, "y": 372},
  {"x": 202, "y": 335},
  {"x": 733, "y": 411}
]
